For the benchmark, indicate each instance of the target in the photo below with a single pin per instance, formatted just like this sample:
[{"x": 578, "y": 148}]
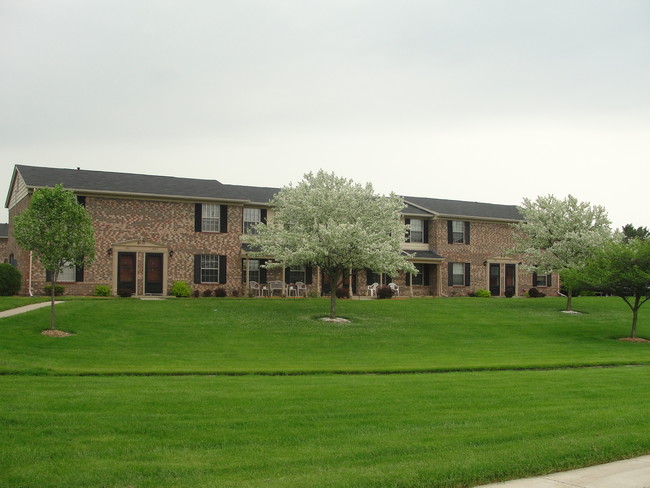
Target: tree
[
  {"x": 560, "y": 236},
  {"x": 622, "y": 269},
  {"x": 58, "y": 230},
  {"x": 336, "y": 224},
  {"x": 630, "y": 232}
]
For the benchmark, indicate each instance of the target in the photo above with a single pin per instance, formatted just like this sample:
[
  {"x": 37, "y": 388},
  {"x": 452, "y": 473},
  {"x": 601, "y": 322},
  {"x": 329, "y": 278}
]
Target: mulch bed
[
  {"x": 633, "y": 339},
  {"x": 56, "y": 333},
  {"x": 337, "y": 320}
]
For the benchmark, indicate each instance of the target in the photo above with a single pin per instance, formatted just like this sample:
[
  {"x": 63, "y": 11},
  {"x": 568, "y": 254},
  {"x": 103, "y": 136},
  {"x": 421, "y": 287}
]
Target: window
[
  {"x": 416, "y": 234},
  {"x": 542, "y": 279},
  {"x": 459, "y": 274},
  {"x": 422, "y": 278},
  {"x": 255, "y": 270},
  {"x": 372, "y": 277},
  {"x": 458, "y": 232},
  {"x": 209, "y": 268},
  {"x": 210, "y": 215},
  {"x": 252, "y": 217},
  {"x": 68, "y": 273},
  {"x": 296, "y": 273}
]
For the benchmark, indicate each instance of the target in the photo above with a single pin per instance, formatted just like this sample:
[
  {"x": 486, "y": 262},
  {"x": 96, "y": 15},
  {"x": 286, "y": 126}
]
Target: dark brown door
[
  {"x": 126, "y": 271},
  {"x": 495, "y": 279},
  {"x": 511, "y": 276},
  {"x": 153, "y": 276}
]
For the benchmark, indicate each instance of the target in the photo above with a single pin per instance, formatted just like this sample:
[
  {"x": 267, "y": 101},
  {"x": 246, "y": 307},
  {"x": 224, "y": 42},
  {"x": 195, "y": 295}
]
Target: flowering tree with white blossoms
[
  {"x": 336, "y": 224},
  {"x": 561, "y": 236}
]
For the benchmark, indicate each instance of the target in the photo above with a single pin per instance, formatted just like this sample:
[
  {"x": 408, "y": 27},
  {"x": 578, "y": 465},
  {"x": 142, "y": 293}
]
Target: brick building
[{"x": 153, "y": 230}]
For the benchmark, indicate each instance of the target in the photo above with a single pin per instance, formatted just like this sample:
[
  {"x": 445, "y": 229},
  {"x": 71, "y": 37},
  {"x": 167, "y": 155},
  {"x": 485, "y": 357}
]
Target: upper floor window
[
  {"x": 210, "y": 217},
  {"x": 252, "y": 217},
  {"x": 416, "y": 233},
  {"x": 458, "y": 232}
]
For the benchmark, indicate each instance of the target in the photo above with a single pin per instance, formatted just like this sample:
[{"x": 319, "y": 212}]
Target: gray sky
[{"x": 481, "y": 100}]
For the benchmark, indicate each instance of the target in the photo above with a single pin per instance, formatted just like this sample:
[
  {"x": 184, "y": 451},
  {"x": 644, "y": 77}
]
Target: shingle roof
[
  {"x": 458, "y": 208},
  {"x": 4, "y": 230},
  {"x": 104, "y": 181},
  {"x": 256, "y": 194},
  {"x": 424, "y": 254}
]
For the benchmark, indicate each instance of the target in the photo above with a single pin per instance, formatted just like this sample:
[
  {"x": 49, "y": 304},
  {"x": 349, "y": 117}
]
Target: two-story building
[{"x": 153, "y": 230}]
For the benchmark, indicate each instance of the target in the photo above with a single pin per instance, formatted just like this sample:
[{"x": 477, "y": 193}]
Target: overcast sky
[{"x": 480, "y": 100}]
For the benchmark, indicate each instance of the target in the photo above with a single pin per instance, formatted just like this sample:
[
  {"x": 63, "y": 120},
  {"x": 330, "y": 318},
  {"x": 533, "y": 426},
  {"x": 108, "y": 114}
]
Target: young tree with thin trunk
[
  {"x": 622, "y": 269},
  {"x": 560, "y": 236},
  {"x": 58, "y": 230},
  {"x": 336, "y": 224}
]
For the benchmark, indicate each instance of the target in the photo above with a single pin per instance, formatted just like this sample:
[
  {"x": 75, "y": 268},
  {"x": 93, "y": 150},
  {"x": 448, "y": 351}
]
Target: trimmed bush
[
  {"x": 58, "y": 290},
  {"x": 180, "y": 289},
  {"x": 207, "y": 293},
  {"x": 482, "y": 293},
  {"x": 220, "y": 293},
  {"x": 196, "y": 293},
  {"x": 312, "y": 293},
  {"x": 510, "y": 292},
  {"x": 235, "y": 292},
  {"x": 102, "y": 291},
  {"x": 384, "y": 292},
  {"x": 535, "y": 293},
  {"x": 10, "y": 279}
]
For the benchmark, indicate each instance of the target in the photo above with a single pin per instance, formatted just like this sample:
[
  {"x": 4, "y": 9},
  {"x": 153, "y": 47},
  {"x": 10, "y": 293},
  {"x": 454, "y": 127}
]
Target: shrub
[
  {"x": 384, "y": 292},
  {"x": 535, "y": 293},
  {"x": 510, "y": 292},
  {"x": 102, "y": 291},
  {"x": 207, "y": 293},
  {"x": 124, "y": 292},
  {"x": 10, "y": 279},
  {"x": 235, "y": 292},
  {"x": 196, "y": 293},
  {"x": 482, "y": 293},
  {"x": 58, "y": 290},
  {"x": 180, "y": 289},
  {"x": 342, "y": 292},
  {"x": 312, "y": 293},
  {"x": 220, "y": 292}
]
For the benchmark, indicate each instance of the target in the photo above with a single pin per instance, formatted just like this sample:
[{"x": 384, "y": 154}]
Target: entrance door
[
  {"x": 511, "y": 274},
  {"x": 495, "y": 279},
  {"x": 126, "y": 271},
  {"x": 153, "y": 275}
]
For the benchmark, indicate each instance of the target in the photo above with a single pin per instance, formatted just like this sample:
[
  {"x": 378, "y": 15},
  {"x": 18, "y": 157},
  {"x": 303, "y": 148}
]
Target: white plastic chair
[
  {"x": 254, "y": 286},
  {"x": 372, "y": 289},
  {"x": 301, "y": 288},
  {"x": 395, "y": 288}
]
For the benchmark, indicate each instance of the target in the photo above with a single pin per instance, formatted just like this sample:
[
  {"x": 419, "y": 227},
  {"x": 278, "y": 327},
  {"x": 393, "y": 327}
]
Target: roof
[
  {"x": 129, "y": 183},
  {"x": 458, "y": 208},
  {"x": 4, "y": 231},
  {"x": 189, "y": 188}
]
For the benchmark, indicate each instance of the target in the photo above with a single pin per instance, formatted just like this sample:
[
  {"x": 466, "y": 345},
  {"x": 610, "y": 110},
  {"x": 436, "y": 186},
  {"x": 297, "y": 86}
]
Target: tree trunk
[
  {"x": 569, "y": 301},
  {"x": 52, "y": 319},
  {"x": 635, "y": 315},
  {"x": 334, "y": 277}
]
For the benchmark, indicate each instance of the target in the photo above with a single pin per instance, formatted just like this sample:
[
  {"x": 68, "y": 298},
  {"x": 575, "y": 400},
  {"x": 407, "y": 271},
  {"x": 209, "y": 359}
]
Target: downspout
[{"x": 29, "y": 287}]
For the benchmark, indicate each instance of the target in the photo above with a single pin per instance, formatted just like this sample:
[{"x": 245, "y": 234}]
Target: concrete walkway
[
  {"x": 26, "y": 308},
  {"x": 630, "y": 473}
]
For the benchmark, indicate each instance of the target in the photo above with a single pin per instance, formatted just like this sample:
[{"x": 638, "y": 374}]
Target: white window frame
[
  {"x": 252, "y": 216},
  {"x": 209, "y": 267},
  {"x": 458, "y": 277},
  {"x": 210, "y": 217},
  {"x": 253, "y": 270},
  {"x": 458, "y": 229},
  {"x": 416, "y": 231},
  {"x": 297, "y": 273},
  {"x": 541, "y": 280},
  {"x": 67, "y": 274}
]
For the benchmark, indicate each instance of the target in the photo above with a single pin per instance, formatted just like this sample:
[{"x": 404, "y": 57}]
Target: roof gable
[{"x": 458, "y": 208}]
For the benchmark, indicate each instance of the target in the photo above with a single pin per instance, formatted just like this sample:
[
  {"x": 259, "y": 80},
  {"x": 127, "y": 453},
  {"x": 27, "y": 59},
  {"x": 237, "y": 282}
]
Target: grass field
[{"x": 215, "y": 392}]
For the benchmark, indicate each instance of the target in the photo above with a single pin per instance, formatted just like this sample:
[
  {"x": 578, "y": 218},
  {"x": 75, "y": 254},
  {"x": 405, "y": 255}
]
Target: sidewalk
[
  {"x": 630, "y": 473},
  {"x": 26, "y": 308}
]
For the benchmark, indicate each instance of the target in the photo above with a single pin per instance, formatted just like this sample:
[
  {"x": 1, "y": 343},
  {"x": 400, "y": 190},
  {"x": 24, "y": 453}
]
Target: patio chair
[
  {"x": 395, "y": 288},
  {"x": 276, "y": 286},
  {"x": 301, "y": 288},
  {"x": 254, "y": 287},
  {"x": 372, "y": 289}
]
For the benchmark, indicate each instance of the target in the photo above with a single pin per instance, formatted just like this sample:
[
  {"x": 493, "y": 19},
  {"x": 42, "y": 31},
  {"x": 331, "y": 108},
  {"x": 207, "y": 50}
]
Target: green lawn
[
  {"x": 65, "y": 423},
  {"x": 7, "y": 303}
]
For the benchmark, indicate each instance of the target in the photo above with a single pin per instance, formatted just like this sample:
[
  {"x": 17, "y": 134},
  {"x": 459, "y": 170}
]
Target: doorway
[
  {"x": 153, "y": 274},
  {"x": 126, "y": 271},
  {"x": 495, "y": 279}
]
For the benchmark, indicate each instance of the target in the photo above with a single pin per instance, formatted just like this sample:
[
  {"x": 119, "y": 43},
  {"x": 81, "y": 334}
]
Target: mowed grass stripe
[
  {"x": 453, "y": 430},
  {"x": 225, "y": 336}
]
